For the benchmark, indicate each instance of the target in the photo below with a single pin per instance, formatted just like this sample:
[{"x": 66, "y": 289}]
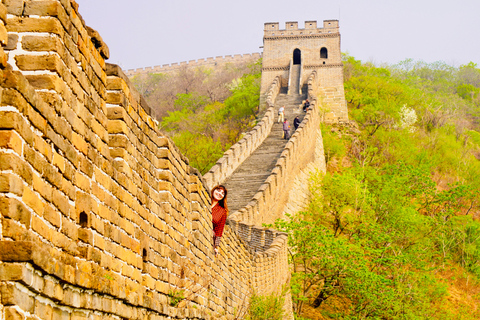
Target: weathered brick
[
  {"x": 41, "y": 8},
  {"x": 12, "y": 313},
  {"x": 11, "y": 271},
  {"x": 13, "y": 120},
  {"x": 52, "y": 216},
  {"x": 11, "y": 183},
  {"x": 16, "y": 210},
  {"x": 46, "y": 81},
  {"x": 61, "y": 202},
  {"x": 69, "y": 229},
  {"x": 43, "y": 147},
  {"x": 16, "y": 251},
  {"x": 42, "y": 187},
  {"x": 12, "y": 42},
  {"x": 41, "y": 43},
  {"x": 82, "y": 182},
  {"x": 10, "y": 161},
  {"x": 23, "y": 24},
  {"x": 40, "y": 227},
  {"x": 43, "y": 311},
  {"x": 49, "y": 62}
]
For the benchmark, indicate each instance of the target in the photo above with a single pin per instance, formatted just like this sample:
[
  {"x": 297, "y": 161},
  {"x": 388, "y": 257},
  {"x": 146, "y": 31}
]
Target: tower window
[
  {"x": 323, "y": 53},
  {"x": 83, "y": 220},
  {"x": 297, "y": 56}
]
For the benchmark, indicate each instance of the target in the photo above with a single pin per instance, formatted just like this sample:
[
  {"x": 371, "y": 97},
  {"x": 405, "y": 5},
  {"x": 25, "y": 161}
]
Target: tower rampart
[{"x": 314, "y": 49}]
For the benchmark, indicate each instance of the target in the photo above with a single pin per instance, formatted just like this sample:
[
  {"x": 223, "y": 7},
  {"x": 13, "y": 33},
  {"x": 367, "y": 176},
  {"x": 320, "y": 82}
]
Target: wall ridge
[
  {"x": 204, "y": 62},
  {"x": 241, "y": 150},
  {"x": 267, "y": 204}
]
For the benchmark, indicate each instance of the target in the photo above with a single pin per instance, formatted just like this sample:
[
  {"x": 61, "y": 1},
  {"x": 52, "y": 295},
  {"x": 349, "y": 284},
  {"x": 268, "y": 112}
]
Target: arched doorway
[
  {"x": 323, "y": 53},
  {"x": 297, "y": 56}
]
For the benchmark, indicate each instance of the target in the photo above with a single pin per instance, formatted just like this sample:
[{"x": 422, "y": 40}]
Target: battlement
[{"x": 272, "y": 29}]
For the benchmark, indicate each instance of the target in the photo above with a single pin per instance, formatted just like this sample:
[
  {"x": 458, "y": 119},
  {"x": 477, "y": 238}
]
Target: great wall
[
  {"x": 209, "y": 62},
  {"x": 101, "y": 217}
]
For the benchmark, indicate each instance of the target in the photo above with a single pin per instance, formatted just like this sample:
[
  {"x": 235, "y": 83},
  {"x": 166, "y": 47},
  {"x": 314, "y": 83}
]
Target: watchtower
[{"x": 293, "y": 54}]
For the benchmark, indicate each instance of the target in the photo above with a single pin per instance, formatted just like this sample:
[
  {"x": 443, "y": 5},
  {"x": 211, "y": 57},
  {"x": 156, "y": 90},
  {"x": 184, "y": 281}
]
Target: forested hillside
[
  {"x": 392, "y": 230},
  {"x": 204, "y": 110}
]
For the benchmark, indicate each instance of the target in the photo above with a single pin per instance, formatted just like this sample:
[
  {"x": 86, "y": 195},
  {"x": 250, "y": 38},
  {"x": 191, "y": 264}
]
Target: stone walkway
[{"x": 252, "y": 173}]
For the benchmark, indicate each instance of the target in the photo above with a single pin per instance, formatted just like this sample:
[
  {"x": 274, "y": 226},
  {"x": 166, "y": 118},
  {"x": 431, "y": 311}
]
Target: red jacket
[{"x": 219, "y": 217}]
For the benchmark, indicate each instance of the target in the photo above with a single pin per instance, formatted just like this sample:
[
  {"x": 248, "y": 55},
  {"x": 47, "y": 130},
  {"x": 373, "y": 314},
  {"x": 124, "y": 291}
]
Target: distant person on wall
[
  {"x": 296, "y": 122},
  {"x": 281, "y": 113},
  {"x": 306, "y": 105},
  {"x": 286, "y": 129},
  {"x": 219, "y": 214}
]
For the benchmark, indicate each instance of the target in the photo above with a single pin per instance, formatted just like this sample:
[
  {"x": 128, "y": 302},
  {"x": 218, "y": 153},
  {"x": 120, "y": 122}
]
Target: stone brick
[
  {"x": 13, "y": 120},
  {"x": 16, "y": 210},
  {"x": 13, "y": 162},
  {"x": 41, "y": 8},
  {"x": 59, "y": 314},
  {"x": 23, "y": 24},
  {"x": 61, "y": 202},
  {"x": 11, "y": 183},
  {"x": 15, "y": 231},
  {"x": 38, "y": 62},
  {"x": 46, "y": 81},
  {"x": 11, "y": 271},
  {"x": 69, "y": 229},
  {"x": 43, "y": 311},
  {"x": 3, "y": 13},
  {"x": 12, "y": 42},
  {"x": 41, "y": 43},
  {"x": 16, "y": 251},
  {"x": 42, "y": 187},
  {"x": 12, "y": 313},
  {"x": 52, "y": 216},
  {"x": 11, "y": 140},
  {"x": 43, "y": 147}
]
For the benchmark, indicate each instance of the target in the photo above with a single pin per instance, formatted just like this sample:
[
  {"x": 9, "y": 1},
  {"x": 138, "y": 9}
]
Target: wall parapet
[
  {"x": 101, "y": 217},
  {"x": 205, "y": 62},
  {"x": 240, "y": 151},
  {"x": 267, "y": 204}
]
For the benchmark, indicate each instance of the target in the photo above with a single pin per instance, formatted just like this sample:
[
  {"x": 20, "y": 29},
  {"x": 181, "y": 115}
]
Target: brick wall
[
  {"x": 100, "y": 216},
  {"x": 279, "y": 46},
  {"x": 240, "y": 151},
  {"x": 210, "y": 62},
  {"x": 269, "y": 203}
]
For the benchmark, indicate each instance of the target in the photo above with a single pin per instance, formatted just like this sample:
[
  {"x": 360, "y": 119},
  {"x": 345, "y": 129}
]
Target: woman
[{"x": 219, "y": 214}]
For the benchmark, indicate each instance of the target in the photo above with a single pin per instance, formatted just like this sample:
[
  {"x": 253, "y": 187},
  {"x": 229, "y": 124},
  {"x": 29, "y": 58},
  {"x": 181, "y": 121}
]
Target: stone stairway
[
  {"x": 294, "y": 79},
  {"x": 252, "y": 173}
]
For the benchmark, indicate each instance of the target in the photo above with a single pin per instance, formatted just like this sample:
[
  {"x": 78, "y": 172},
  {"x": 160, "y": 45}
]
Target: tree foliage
[
  {"x": 204, "y": 112},
  {"x": 399, "y": 205}
]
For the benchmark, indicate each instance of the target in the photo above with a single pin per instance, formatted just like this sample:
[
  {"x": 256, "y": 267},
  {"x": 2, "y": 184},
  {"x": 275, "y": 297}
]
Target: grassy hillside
[{"x": 392, "y": 230}]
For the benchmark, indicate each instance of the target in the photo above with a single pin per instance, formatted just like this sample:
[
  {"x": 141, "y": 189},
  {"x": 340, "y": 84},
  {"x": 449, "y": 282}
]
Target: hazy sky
[{"x": 143, "y": 33}]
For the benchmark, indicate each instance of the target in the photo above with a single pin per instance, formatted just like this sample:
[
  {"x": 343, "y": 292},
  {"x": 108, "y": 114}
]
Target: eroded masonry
[{"x": 100, "y": 216}]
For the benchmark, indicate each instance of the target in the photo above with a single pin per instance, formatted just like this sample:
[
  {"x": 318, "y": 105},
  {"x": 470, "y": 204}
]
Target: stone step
[{"x": 244, "y": 182}]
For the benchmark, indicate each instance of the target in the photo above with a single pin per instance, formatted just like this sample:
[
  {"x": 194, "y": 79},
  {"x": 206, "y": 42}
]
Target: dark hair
[{"x": 223, "y": 202}]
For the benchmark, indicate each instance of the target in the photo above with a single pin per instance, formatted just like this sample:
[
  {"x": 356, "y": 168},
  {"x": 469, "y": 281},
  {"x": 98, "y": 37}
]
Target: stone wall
[
  {"x": 240, "y": 151},
  {"x": 268, "y": 204},
  {"x": 100, "y": 216},
  {"x": 279, "y": 46},
  {"x": 207, "y": 62}
]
